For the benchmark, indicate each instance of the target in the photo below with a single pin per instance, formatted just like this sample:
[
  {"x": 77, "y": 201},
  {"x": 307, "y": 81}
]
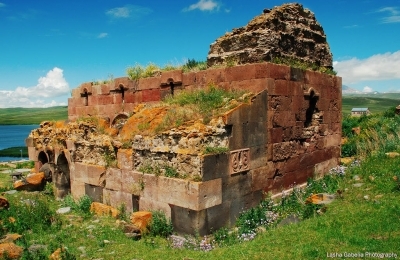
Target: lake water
[{"x": 13, "y": 136}]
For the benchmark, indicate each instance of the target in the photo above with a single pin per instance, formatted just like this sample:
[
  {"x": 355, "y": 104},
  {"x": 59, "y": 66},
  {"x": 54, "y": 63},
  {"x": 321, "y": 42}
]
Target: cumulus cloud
[
  {"x": 203, "y": 5},
  {"x": 102, "y": 35},
  {"x": 128, "y": 11},
  {"x": 367, "y": 89},
  {"x": 393, "y": 17},
  {"x": 42, "y": 95},
  {"x": 377, "y": 67}
]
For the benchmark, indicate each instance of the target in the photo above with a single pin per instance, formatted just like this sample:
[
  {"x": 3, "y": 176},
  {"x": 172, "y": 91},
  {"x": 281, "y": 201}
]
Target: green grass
[{"x": 32, "y": 116}]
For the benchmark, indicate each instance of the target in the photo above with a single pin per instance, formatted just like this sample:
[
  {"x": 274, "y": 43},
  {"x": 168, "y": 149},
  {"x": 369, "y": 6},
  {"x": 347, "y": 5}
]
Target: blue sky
[{"x": 49, "y": 47}]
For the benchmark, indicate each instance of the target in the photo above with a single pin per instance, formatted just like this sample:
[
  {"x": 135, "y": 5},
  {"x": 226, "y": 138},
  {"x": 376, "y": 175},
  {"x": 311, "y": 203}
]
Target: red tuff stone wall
[{"x": 291, "y": 131}]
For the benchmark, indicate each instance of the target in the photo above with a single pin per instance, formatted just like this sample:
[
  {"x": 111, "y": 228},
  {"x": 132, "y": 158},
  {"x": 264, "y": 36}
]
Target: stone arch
[
  {"x": 43, "y": 157},
  {"x": 61, "y": 176},
  {"x": 119, "y": 120}
]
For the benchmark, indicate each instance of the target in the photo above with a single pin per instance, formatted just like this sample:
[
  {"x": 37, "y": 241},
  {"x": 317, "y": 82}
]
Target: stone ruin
[
  {"x": 289, "y": 131},
  {"x": 288, "y": 31}
]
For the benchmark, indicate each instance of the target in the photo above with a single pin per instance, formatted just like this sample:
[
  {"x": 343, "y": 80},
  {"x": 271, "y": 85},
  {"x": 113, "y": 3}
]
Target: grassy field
[
  {"x": 32, "y": 116},
  {"x": 375, "y": 104}
]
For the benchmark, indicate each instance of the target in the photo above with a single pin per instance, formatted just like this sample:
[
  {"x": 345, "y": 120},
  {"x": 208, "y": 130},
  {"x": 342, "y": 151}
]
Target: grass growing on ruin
[
  {"x": 296, "y": 63},
  {"x": 202, "y": 103}
]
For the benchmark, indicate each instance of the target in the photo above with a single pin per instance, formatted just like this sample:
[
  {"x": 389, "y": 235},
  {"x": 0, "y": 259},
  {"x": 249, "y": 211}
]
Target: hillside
[
  {"x": 376, "y": 103},
  {"x": 32, "y": 116}
]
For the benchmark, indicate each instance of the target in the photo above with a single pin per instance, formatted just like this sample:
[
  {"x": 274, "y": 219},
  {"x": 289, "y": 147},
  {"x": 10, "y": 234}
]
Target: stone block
[
  {"x": 75, "y": 93},
  {"x": 236, "y": 186},
  {"x": 281, "y": 88},
  {"x": 189, "y": 79},
  {"x": 277, "y": 71},
  {"x": 174, "y": 76},
  {"x": 260, "y": 176},
  {"x": 215, "y": 76},
  {"x": 312, "y": 77},
  {"x": 133, "y": 97},
  {"x": 297, "y": 74},
  {"x": 283, "y": 119},
  {"x": 95, "y": 175},
  {"x": 77, "y": 189},
  {"x": 105, "y": 89},
  {"x": 86, "y": 87},
  {"x": 149, "y": 95},
  {"x": 241, "y": 72},
  {"x": 261, "y": 70},
  {"x": 151, "y": 204},
  {"x": 214, "y": 166},
  {"x": 250, "y": 85},
  {"x": 332, "y": 140},
  {"x": 150, "y": 186},
  {"x": 113, "y": 179},
  {"x": 187, "y": 194},
  {"x": 322, "y": 168},
  {"x": 189, "y": 221},
  {"x": 131, "y": 181},
  {"x": 117, "y": 98},
  {"x": 125, "y": 159},
  {"x": 276, "y": 135},
  {"x": 116, "y": 198},
  {"x": 217, "y": 217},
  {"x": 149, "y": 83},
  {"x": 123, "y": 82}
]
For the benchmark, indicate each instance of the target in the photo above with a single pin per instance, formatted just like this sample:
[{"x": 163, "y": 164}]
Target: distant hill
[
  {"x": 32, "y": 116},
  {"x": 376, "y": 103}
]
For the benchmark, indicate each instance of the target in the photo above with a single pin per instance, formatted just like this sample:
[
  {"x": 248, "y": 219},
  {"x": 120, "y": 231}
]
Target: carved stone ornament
[{"x": 239, "y": 160}]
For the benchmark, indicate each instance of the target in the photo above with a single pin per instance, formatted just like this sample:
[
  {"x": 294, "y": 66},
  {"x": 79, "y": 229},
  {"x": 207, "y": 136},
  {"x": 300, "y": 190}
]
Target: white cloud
[
  {"x": 102, "y": 35},
  {"x": 128, "y": 11},
  {"x": 377, "y": 67},
  {"x": 203, "y": 5},
  {"x": 367, "y": 89},
  {"x": 2, "y": 5},
  {"x": 393, "y": 17},
  {"x": 48, "y": 87}
]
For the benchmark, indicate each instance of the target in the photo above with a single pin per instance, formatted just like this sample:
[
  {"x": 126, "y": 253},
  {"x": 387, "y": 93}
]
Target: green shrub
[
  {"x": 136, "y": 72},
  {"x": 159, "y": 225},
  {"x": 170, "y": 172},
  {"x": 32, "y": 214},
  {"x": 193, "y": 65}
]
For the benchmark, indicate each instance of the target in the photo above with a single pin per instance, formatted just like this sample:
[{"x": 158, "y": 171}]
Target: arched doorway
[{"x": 62, "y": 177}]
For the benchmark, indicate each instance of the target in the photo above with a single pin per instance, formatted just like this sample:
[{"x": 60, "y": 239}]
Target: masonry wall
[{"x": 290, "y": 132}]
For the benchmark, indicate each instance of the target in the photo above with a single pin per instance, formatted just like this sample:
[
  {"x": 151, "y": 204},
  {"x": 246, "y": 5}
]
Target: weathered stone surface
[
  {"x": 287, "y": 31},
  {"x": 101, "y": 209},
  {"x": 10, "y": 251},
  {"x": 141, "y": 219},
  {"x": 34, "y": 181}
]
